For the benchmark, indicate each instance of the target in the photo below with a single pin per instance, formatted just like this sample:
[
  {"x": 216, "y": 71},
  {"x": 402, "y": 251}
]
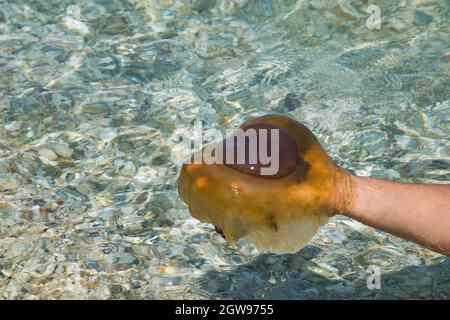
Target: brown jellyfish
[{"x": 278, "y": 211}]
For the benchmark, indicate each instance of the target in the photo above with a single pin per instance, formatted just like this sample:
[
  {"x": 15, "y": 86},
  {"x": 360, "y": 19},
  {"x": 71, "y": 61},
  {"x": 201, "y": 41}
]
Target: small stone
[
  {"x": 116, "y": 289},
  {"x": 75, "y": 25},
  {"x": 142, "y": 198},
  {"x": 18, "y": 248},
  {"x": 63, "y": 150},
  {"x": 107, "y": 214},
  {"x": 91, "y": 264},
  {"x": 128, "y": 170},
  {"x": 421, "y": 18},
  {"x": 107, "y": 135},
  {"x": 12, "y": 126},
  {"x": 126, "y": 259},
  {"x": 84, "y": 189},
  {"x": 35, "y": 213},
  {"x": 346, "y": 12},
  {"x": 48, "y": 154},
  {"x": 5, "y": 206},
  {"x": 27, "y": 214},
  {"x": 50, "y": 269},
  {"x": 101, "y": 160},
  {"x": 94, "y": 108},
  {"x": 116, "y": 25}
]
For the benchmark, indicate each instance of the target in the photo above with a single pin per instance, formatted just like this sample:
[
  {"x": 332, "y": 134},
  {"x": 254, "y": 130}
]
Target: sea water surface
[{"x": 91, "y": 93}]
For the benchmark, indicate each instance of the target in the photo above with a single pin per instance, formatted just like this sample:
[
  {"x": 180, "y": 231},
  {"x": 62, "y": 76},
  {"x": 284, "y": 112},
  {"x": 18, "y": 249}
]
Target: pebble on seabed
[
  {"x": 48, "y": 154},
  {"x": 63, "y": 150},
  {"x": 12, "y": 126},
  {"x": 107, "y": 135}
]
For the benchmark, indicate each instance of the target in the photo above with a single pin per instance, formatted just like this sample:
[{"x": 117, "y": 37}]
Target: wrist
[{"x": 342, "y": 195}]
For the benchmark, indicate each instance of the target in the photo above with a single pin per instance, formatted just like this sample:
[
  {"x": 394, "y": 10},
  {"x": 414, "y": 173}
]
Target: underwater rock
[
  {"x": 12, "y": 126},
  {"x": 107, "y": 134},
  {"x": 63, "y": 150},
  {"x": 421, "y": 18},
  {"x": 48, "y": 154}
]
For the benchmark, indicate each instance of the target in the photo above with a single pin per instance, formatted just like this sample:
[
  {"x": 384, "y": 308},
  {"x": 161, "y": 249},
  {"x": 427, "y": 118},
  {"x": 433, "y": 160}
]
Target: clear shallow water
[{"x": 89, "y": 98}]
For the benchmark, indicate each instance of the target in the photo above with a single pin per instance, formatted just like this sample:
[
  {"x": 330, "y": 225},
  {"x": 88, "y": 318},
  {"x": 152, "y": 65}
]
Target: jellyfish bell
[
  {"x": 261, "y": 149},
  {"x": 276, "y": 210}
]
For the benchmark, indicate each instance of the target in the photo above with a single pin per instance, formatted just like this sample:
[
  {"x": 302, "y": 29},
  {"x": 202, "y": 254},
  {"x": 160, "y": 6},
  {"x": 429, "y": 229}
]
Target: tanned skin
[{"x": 417, "y": 212}]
